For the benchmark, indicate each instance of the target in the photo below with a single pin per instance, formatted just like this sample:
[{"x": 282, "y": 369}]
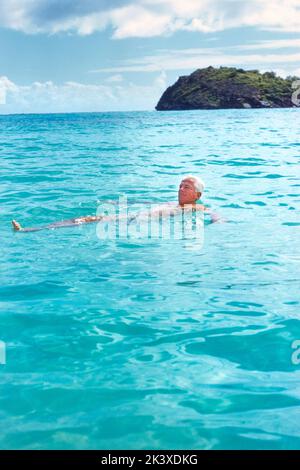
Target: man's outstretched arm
[
  {"x": 214, "y": 216},
  {"x": 64, "y": 223}
]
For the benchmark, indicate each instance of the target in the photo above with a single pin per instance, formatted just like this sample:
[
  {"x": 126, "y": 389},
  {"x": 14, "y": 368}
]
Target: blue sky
[{"x": 101, "y": 55}]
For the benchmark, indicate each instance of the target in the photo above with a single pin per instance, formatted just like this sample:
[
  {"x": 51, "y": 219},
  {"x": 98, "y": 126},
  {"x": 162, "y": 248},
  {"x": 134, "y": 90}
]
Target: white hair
[{"x": 198, "y": 182}]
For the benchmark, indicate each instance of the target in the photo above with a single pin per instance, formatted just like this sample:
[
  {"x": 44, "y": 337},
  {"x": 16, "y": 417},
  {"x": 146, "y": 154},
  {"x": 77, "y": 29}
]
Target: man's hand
[
  {"x": 88, "y": 219},
  {"x": 16, "y": 225}
]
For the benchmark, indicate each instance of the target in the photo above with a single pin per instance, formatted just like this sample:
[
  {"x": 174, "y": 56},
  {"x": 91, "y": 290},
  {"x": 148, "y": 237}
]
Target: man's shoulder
[{"x": 201, "y": 207}]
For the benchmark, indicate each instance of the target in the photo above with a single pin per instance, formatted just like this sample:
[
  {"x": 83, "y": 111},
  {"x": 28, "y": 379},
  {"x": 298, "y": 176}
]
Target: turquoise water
[{"x": 131, "y": 344}]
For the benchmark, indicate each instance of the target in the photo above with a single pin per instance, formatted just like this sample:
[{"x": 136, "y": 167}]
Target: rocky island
[{"x": 228, "y": 87}]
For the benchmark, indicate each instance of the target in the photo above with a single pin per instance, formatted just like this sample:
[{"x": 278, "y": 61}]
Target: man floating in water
[{"x": 190, "y": 190}]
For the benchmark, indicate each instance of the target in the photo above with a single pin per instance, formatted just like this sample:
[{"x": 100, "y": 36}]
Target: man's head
[{"x": 190, "y": 189}]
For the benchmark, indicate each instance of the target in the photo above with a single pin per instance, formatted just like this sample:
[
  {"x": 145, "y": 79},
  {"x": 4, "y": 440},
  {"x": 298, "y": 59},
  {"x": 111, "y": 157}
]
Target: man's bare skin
[
  {"x": 63, "y": 223},
  {"x": 187, "y": 197}
]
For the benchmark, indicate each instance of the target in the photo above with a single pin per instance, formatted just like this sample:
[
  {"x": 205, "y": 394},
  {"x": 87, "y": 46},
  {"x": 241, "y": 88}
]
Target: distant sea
[{"x": 148, "y": 344}]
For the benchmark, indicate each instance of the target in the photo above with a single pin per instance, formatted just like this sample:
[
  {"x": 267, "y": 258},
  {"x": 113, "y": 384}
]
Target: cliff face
[{"x": 228, "y": 87}]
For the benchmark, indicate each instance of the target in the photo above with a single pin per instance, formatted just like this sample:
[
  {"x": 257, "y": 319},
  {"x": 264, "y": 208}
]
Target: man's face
[{"x": 187, "y": 193}]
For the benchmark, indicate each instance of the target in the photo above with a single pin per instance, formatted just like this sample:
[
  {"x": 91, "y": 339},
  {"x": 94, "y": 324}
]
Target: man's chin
[{"x": 183, "y": 203}]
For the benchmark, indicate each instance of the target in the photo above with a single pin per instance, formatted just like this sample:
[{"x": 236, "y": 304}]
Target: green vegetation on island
[{"x": 228, "y": 87}]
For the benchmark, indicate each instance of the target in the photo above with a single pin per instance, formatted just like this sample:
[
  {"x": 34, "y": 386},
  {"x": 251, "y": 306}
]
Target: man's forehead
[{"x": 188, "y": 180}]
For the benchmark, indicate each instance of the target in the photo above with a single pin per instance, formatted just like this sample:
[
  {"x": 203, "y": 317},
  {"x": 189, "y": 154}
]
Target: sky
[{"x": 120, "y": 55}]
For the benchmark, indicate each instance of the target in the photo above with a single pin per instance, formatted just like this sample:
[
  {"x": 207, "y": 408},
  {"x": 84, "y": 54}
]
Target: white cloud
[
  {"x": 145, "y": 18},
  {"x": 115, "y": 78},
  {"x": 134, "y": 21},
  {"x": 191, "y": 59},
  {"x": 161, "y": 81},
  {"x": 5, "y": 86},
  {"x": 41, "y": 97},
  {"x": 271, "y": 44}
]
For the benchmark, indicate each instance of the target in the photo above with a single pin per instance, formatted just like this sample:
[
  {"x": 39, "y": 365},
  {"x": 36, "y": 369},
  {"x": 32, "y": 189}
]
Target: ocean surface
[{"x": 150, "y": 343}]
